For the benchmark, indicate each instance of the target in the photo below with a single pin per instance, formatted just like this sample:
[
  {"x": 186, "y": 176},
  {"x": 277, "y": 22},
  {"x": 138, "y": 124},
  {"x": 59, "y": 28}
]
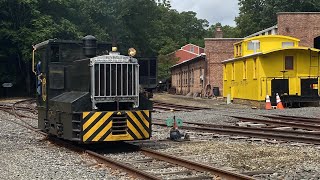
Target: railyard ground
[{"x": 27, "y": 155}]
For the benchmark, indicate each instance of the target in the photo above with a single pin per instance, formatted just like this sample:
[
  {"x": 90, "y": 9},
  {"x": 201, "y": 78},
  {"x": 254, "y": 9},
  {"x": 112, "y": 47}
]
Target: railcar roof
[
  {"x": 271, "y": 51},
  {"x": 60, "y": 41}
]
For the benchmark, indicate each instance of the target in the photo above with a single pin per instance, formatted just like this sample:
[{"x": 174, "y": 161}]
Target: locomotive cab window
[
  {"x": 54, "y": 53},
  {"x": 288, "y": 62}
]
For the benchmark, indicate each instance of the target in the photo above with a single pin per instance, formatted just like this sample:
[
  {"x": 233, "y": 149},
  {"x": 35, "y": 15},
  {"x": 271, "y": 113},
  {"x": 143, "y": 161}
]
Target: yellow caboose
[{"x": 270, "y": 64}]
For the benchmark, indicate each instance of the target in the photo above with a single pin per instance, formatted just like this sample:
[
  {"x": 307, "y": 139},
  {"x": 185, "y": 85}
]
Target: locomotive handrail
[{"x": 33, "y": 51}]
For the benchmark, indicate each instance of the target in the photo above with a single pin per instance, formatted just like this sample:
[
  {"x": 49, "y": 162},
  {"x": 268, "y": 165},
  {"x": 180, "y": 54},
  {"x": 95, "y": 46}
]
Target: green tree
[
  {"x": 164, "y": 64},
  {"x": 228, "y": 31},
  {"x": 256, "y": 15}
]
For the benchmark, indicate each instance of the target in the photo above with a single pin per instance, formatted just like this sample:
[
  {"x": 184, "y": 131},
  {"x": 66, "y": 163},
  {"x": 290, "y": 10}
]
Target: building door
[
  {"x": 316, "y": 42},
  {"x": 309, "y": 87},
  {"x": 280, "y": 86}
]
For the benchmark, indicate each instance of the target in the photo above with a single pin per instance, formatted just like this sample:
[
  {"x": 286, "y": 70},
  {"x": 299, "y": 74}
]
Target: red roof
[
  {"x": 188, "y": 52},
  {"x": 184, "y": 55}
]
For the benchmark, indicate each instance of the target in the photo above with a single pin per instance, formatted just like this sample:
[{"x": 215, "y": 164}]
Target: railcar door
[
  {"x": 309, "y": 87},
  {"x": 280, "y": 86}
]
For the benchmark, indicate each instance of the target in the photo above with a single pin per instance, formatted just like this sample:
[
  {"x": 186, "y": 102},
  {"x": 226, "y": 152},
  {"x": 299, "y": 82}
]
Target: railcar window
[
  {"x": 254, "y": 45},
  {"x": 287, "y": 44},
  {"x": 144, "y": 70},
  {"x": 40, "y": 55},
  {"x": 71, "y": 52},
  {"x": 289, "y": 63},
  {"x": 153, "y": 67},
  {"x": 54, "y": 53}
]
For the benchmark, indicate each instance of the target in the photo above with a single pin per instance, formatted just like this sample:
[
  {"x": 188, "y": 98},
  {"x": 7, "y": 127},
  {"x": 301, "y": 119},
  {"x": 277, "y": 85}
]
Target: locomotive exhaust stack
[{"x": 89, "y": 46}]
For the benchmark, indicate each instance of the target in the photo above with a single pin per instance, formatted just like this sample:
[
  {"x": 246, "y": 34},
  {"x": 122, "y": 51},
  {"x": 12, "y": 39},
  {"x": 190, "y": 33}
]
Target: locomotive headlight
[
  {"x": 132, "y": 52},
  {"x": 114, "y": 49}
]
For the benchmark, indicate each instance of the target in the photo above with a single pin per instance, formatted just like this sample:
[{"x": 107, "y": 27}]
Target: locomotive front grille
[
  {"x": 114, "y": 79},
  {"x": 119, "y": 124}
]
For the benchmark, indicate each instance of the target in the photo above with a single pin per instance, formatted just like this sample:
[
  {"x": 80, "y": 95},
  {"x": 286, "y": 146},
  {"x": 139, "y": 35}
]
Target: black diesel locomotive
[{"x": 88, "y": 94}]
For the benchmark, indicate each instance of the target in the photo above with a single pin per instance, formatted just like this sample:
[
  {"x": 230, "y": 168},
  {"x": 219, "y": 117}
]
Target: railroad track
[
  {"x": 282, "y": 122},
  {"x": 310, "y": 137},
  {"x": 206, "y": 172},
  {"x": 298, "y": 117},
  {"x": 148, "y": 161},
  {"x": 168, "y": 107},
  {"x": 13, "y": 108}
]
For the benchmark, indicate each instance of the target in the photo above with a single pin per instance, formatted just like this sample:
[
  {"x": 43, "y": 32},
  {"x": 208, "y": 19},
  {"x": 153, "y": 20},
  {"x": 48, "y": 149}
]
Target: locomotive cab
[{"x": 88, "y": 93}]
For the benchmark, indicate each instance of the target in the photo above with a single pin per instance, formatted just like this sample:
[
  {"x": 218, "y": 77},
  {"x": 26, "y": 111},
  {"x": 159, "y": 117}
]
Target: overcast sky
[{"x": 214, "y": 11}]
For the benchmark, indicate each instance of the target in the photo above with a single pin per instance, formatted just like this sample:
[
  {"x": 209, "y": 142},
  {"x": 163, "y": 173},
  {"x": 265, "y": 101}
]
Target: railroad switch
[{"x": 175, "y": 134}]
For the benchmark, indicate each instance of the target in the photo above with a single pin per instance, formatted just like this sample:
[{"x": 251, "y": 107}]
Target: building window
[
  {"x": 233, "y": 72},
  {"x": 287, "y": 44},
  {"x": 254, "y": 68},
  {"x": 192, "y": 48},
  {"x": 244, "y": 69},
  {"x": 288, "y": 63},
  {"x": 192, "y": 77}
]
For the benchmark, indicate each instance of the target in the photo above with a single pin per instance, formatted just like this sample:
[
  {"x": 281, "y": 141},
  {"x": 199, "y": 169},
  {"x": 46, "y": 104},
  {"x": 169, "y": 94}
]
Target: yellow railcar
[{"x": 266, "y": 65}]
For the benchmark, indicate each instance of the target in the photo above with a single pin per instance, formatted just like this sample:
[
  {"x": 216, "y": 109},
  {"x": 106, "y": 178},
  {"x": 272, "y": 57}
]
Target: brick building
[
  {"x": 302, "y": 25},
  {"x": 188, "y": 76},
  {"x": 217, "y": 50}
]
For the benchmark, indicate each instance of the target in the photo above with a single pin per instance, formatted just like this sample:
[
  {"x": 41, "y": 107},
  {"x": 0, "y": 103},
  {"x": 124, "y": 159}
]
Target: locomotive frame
[{"x": 86, "y": 97}]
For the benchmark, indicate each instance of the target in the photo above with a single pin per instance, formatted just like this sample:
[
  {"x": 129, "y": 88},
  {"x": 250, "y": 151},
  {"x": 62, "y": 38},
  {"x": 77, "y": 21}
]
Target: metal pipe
[
  {"x": 116, "y": 80},
  {"x": 127, "y": 80},
  {"x": 121, "y": 79},
  {"x": 105, "y": 79},
  {"x": 110, "y": 80},
  {"x": 99, "y": 93},
  {"x": 132, "y": 80}
]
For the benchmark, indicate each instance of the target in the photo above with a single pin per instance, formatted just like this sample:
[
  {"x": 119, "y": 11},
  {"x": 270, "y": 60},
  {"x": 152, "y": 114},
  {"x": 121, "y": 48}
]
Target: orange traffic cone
[
  {"x": 268, "y": 103},
  {"x": 279, "y": 103}
]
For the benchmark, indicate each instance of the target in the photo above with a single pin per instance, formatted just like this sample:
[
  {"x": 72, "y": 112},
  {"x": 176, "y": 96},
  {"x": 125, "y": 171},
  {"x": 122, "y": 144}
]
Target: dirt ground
[{"x": 200, "y": 102}]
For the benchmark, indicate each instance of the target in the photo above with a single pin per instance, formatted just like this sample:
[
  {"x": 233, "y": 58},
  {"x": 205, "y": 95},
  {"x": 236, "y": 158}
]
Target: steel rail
[
  {"x": 280, "y": 123},
  {"x": 297, "y": 117},
  {"x": 116, "y": 165},
  {"x": 167, "y": 108},
  {"x": 180, "y": 106},
  {"x": 276, "y": 131},
  {"x": 290, "y": 119},
  {"x": 194, "y": 165},
  {"x": 311, "y": 138}
]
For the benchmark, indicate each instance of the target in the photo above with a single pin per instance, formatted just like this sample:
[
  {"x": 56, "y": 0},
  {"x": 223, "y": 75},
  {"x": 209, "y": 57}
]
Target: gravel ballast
[
  {"x": 27, "y": 155},
  {"x": 264, "y": 159}
]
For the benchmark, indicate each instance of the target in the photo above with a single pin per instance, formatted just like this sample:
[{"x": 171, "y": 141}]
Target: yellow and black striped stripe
[{"x": 103, "y": 126}]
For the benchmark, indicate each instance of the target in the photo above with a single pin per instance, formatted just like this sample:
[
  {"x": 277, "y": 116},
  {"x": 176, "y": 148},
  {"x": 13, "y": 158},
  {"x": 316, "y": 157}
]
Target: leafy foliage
[
  {"x": 256, "y": 15},
  {"x": 150, "y": 26}
]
